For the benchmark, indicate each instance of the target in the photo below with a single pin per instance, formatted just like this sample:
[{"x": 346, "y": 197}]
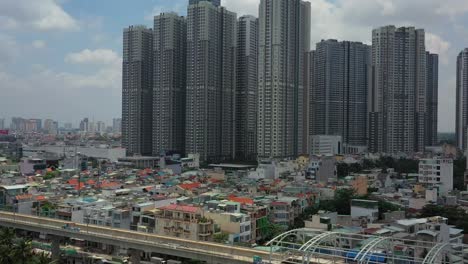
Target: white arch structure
[
  {"x": 435, "y": 252},
  {"x": 309, "y": 243}
]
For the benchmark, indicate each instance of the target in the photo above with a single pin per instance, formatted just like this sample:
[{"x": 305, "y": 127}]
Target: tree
[
  {"x": 342, "y": 169},
  {"x": 385, "y": 207},
  {"x": 23, "y": 250},
  {"x": 343, "y": 199},
  {"x": 456, "y": 215},
  {"x": 221, "y": 237},
  {"x": 15, "y": 250}
]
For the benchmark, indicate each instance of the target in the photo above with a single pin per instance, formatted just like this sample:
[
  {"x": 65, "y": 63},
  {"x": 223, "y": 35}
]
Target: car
[{"x": 71, "y": 227}]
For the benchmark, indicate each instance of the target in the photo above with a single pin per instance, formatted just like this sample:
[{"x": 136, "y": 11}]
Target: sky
[{"x": 61, "y": 59}]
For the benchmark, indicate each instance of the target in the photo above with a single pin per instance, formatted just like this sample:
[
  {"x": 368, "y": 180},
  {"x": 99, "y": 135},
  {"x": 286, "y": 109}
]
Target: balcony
[{"x": 205, "y": 233}]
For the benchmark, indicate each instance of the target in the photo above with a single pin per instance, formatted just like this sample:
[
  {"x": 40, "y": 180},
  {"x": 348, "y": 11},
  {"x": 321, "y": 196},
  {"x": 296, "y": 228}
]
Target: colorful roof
[
  {"x": 241, "y": 200},
  {"x": 181, "y": 208},
  {"x": 190, "y": 186},
  {"x": 23, "y": 196}
]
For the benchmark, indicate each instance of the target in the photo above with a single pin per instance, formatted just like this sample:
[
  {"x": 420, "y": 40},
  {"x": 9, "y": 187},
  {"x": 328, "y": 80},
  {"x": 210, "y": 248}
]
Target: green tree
[
  {"x": 221, "y": 237},
  {"x": 343, "y": 199},
  {"x": 15, "y": 250},
  {"x": 342, "y": 169}
]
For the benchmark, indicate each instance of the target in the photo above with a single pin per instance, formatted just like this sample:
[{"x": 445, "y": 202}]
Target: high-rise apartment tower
[
  {"x": 284, "y": 45},
  {"x": 137, "y": 90}
]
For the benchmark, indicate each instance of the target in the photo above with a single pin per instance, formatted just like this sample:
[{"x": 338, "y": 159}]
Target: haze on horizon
[{"x": 62, "y": 59}]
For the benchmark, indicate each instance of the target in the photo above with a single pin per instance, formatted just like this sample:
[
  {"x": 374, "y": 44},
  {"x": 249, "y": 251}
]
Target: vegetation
[
  {"x": 456, "y": 215},
  {"x": 221, "y": 237},
  {"x": 341, "y": 204},
  {"x": 401, "y": 165},
  {"x": 14, "y": 250},
  {"x": 51, "y": 175}
]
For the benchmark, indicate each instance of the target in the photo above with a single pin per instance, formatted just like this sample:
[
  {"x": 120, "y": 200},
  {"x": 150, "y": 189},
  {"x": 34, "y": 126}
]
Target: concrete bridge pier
[
  {"x": 135, "y": 256},
  {"x": 55, "y": 247}
]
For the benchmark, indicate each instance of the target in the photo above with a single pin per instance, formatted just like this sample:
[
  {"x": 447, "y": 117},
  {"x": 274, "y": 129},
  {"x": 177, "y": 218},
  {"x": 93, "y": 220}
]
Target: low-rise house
[
  {"x": 365, "y": 209},
  {"x": 185, "y": 222},
  {"x": 237, "y": 225}
]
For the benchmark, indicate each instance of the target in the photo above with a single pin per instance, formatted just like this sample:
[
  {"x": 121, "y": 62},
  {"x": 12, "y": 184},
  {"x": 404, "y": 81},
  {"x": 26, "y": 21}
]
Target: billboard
[{"x": 3, "y": 132}]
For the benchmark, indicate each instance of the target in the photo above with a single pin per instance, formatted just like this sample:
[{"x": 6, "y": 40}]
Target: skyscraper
[
  {"x": 246, "y": 92},
  {"x": 211, "y": 49},
  {"x": 462, "y": 100},
  {"x": 137, "y": 90},
  {"x": 432, "y": 98},
  {"x": 214, "y": 2},
  {"x": 169, "y": 53},
  {"x": 339, "y": 89},
  {"x": 397, "y": 94},
  {"x": 284, "y": 43}
]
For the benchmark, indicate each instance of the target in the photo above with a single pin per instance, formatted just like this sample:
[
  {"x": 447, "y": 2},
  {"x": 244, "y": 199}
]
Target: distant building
[
  {"x": 100, "y": 127},
  {"x": 18, "y": 124},
  {"x": 211, "y": 49},
  {"x": 68, "y": 126},
  {"x": 284, "y": 44},
  {"x": 397, "y": 96},
  {"x": 326, "y": 145},
  {"x": 29, "y": 166},
  {"x": 461, "y": 126},
  {"x": 437, "y": 173},
  {"x": 322, "y": 169},
  {"x": 169, "y": 83},
  {"x": 51, "y": 127},
  {"x": 339, "y": 90},
  {"x": 10, "y": 146},
  {"x": 432, "y": 94},
  {"x": 246, "y": 91},
  {"x": 2, "y": 123},
  {"x": 214, "y": 2},
  {"x": 137, "y": 90},
  {"x": 33, "y": 125},
  {"x": 116, "y": 125}
]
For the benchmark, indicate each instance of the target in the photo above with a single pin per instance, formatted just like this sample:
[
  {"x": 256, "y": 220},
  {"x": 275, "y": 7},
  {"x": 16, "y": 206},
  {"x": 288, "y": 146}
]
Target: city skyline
[{"x": 54, "y": 67}]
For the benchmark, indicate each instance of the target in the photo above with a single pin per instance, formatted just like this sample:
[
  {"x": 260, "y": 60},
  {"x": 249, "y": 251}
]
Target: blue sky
[{"x": 61, "y": 59}]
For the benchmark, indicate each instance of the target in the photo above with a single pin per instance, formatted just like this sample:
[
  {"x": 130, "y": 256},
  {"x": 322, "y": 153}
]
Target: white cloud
[
  {"x": 40, "y": 15},
  {"x": 97, "y": 57},
  {"x": 436, "y": 44},
  {"x": 39, "y": 44},
  {"x": 242, "y": 7},
  {"x": 9, "y": 49}
]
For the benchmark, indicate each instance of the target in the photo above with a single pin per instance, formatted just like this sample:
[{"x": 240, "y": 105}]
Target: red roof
[
  {"x": 80, "y": 186},
  {"x": 23, "y": 196},
  {"x": 40, "y": 198},
  {"x": 91, "y": 182},
  {"x": 107, "y": 184},
  {"x": 241, "y": 200},
  {"x": 181, "y": 208},
  {"x": 73, "y": 181},
  {"x": 190, "y": 186},
  {"x": 215, "y": 180}
]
